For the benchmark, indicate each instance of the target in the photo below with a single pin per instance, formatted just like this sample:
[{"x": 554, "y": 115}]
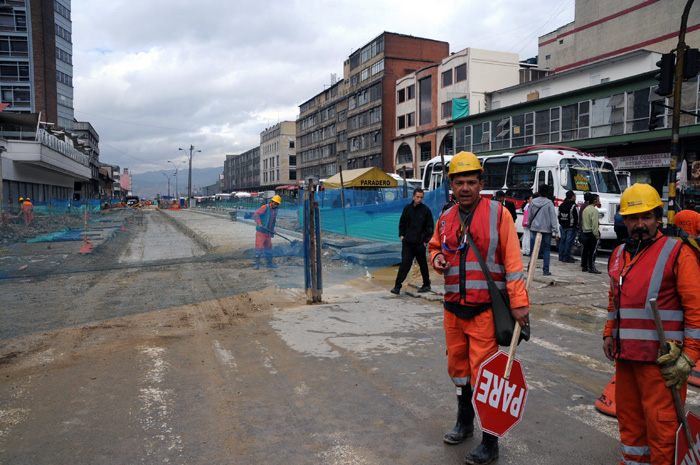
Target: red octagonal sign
[
  {"x": 686, "y": 455},
  {"x": 499, "y": 403}
]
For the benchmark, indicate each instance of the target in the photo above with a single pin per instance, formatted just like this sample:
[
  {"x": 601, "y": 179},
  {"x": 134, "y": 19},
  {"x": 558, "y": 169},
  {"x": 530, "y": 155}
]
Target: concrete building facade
[
  {"x": 424, "y": 102},
  {"x": 242, "y": 171},
  {"x": 603, "y": 29},
  {"x": 278, "y": 155},
  {"x": 351, "y": 124}
]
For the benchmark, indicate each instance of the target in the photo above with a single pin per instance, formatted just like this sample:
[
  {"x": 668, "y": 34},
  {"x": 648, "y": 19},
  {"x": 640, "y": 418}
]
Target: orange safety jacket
[
  {"x": 265, "y": 217},
  {"x": 653, "y": 273},
  {"x": 497, "y": 241},
  {"x": 27, "y": 207}
]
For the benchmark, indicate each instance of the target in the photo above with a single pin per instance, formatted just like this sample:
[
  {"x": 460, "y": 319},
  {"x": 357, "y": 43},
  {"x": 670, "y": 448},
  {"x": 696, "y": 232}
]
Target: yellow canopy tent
[{"x": 372, "y": 178}]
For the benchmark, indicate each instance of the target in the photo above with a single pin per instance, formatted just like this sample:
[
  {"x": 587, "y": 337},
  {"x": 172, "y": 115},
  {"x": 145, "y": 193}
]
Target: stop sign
[
  {"x": 684, "y": 454},
  {"x": 499, "y": 403}
]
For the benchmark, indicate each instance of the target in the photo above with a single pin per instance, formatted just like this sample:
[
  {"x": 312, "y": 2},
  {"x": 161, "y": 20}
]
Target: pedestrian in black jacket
[
  {"x": 500, "y": 197},
  {"x": 568, "y": 225},
  {"x": 415, "y": 230}
]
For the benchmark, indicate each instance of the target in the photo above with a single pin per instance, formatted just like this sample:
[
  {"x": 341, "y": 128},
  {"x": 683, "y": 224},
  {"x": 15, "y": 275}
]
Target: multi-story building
[
  {"x": 603, "y": 29},
  {"x": 278, "y": 155},
  {"x": 36, "y": 68},
  {"x": 351, "y": 124},
  {"x": 424, "y": 102},
  {"x": 242, "y": 171}
]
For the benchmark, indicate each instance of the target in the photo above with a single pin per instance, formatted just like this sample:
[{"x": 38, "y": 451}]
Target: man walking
[
  {"x": 265, "y": 218},
  {"x": 415, "y": 229},
  {"x": 542, "y": 218},
  {"x": 500, "y": 197},
  {"x": 468, "y": 317},
  {"x": 568, "y": 223},
  {"x": 590, "y": 234},
  {"x": 650, "y": 265}
]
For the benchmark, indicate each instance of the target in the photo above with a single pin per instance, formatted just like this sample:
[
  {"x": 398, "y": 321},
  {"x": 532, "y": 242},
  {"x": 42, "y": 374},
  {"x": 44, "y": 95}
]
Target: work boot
[
  {"x": 594, "y": 270},
  {"x": 256, "y": 265},
  {"x": 424, "y": 288},
  {"x": 397, "y": 289},
  {"x": 270, "y": 264},
  {"x": 486, "y": 452},
  {"x": 464, "y": 428}
]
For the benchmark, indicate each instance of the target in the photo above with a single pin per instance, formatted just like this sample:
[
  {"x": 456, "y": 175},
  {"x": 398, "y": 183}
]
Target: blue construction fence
[
  {"x": 61, "y": 207},
  {"x": 369, "y": 214}
]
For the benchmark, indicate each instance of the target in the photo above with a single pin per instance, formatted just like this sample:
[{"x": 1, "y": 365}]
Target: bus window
[
  {"x": 521, "y": 171},
  {"x": 605, "y": 177},
  {"x": 540, "y": 179},
  {"x": 495, "y": 172},
  {"x": 577, "y": 175}
]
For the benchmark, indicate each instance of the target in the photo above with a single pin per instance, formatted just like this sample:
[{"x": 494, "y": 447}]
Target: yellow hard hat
[
  {"x": 27, "y": 199},
  {"x": 639, "y": 198},
  {"x": 21, "y": 199},
  {"x": 277, "y": 199},
  {"x": 463, "y": 162}
]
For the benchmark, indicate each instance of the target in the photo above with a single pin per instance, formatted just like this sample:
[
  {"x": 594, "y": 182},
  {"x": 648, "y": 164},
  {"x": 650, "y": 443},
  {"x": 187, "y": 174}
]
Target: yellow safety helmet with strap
[
  {"x": 639, "y": 198},
  {"x": 21, "y": 199},
  {"x": 463, "y": 162},
  {"x": 277, "y": 199}
]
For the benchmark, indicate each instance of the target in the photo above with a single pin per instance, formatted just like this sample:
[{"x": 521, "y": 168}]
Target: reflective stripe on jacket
[
  {"x": 649, "y": 275},
  {"x": 265, "y": 217},
  {"x": 464, "y": 280}
]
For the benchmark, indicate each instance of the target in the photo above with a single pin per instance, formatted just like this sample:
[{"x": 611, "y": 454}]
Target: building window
[
  {"x": 62, "y": 33},
  {"x": 402, "y": 95},
  {"x": 425, "y": 100},
  {"x": 410, "y": 92},
  {"x": 365, "y": 74},
  {"x": 447, "y": 78},
  {"x": 402, "y": 122},
  {"x": 291, "y": 144},
  {"x": 447, "y": 109},
  {"x": 378, "y": 67},
  {"x": 410, "y": 120},
  {"x": 461, "y": 73},
  {"x": 61, "y": 10}
]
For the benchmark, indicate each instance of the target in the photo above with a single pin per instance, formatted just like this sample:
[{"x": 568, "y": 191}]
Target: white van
[{"x": 562, "y": 168}]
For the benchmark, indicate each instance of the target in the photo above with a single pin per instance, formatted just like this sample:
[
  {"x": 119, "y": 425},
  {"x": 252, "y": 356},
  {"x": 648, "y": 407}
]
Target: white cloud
[{"x": 152, "y": 76}]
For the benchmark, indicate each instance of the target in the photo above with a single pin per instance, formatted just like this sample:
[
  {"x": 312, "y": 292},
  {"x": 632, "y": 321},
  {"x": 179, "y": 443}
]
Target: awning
[
  {"x": 370, "y": 178},
  {"x": 292, "y": 187}
]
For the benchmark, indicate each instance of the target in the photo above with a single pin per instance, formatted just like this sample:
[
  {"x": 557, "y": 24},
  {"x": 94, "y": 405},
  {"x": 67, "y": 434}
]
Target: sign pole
[
  {"x": 342, "y": 199},
  {"x": 516, "y": 331},
  {"x": 663, "y": 348}
]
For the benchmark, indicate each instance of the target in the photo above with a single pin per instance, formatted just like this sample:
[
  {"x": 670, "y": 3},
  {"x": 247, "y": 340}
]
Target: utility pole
[
  {"x": 177, "y": 167},
  {"x": 168, "y": 177},
  {"x": 675, "y": 143},
  {"x": 189, "y": 178}
]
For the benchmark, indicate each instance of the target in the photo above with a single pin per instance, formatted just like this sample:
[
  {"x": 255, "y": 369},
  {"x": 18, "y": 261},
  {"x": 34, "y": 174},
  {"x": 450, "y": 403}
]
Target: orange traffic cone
[{"x": 606, "y": 402}]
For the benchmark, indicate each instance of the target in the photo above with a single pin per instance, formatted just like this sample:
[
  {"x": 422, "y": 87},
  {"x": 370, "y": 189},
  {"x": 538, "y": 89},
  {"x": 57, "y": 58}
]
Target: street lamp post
[
  {"x": 177, "y": 167},
  {"x": 189, "y": 178},
  {"x": 168, "y": 176}
]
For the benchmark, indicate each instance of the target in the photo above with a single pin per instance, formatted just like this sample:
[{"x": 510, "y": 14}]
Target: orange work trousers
[
  {"x": 470, "y": 341},
  {"x": 645, "y": 413},
  {"x": 263, "y": 243}
]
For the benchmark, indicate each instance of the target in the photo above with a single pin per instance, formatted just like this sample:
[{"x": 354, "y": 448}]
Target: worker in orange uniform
[
  {"x": 468, "y": 319},
  {"x": 688, "y": 221},
  {"x": 650, "y": 265},
  {"x": 265, "y": 218},
  {"x": 27, "y": 211}
]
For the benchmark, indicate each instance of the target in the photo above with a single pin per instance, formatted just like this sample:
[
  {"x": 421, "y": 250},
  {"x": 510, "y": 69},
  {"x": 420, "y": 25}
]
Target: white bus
[{"x": 562, "y": 168}]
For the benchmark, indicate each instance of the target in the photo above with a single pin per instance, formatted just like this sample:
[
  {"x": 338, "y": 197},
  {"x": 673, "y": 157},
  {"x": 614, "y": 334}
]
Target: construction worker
[
  {"x": 468, "y": 318},
  {"x": 650, "y": 265},
  {"x": 265, "y": 218},
  {"x": 688, "y": 221},
  {"x": 27, "y": 211},
  {"x": 21, "y": 201}
]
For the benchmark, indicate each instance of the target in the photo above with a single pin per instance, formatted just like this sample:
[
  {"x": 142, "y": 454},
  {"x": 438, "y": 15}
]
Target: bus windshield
[{"x": 589, "y": 175}]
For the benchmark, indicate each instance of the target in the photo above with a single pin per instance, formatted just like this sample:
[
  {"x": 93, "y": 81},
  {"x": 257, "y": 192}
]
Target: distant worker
[
  {"x": 542, "y": 218},
  {"x": 468, "y": 317},
  {"x": 568, "y": 223},
  {"x": 265, "y": 217},
  {"x": 688, "y": 221},
  {"x": 415, "y": 230},
  {"x": 21, "y": 201},
  {"x": 27, "y": 211},
  {"x": 650, "y": 264},
  {"x": 500, "y": 197}
]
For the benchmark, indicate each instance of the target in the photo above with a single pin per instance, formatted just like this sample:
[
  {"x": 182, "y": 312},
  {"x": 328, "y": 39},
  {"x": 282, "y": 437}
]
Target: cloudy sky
[{"x": 153, "y": 76}]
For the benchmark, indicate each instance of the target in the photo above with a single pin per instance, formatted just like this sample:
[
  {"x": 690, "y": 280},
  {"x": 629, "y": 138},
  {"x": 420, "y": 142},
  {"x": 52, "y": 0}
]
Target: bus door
[{"x": 545, "y": 175}]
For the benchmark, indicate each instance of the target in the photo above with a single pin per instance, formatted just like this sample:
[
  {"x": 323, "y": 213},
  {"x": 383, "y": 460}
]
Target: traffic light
[
  {"x": 666, "y": 74},
  {"x": 691, "y": 63},
  {"x": 656, "y": 116}
]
